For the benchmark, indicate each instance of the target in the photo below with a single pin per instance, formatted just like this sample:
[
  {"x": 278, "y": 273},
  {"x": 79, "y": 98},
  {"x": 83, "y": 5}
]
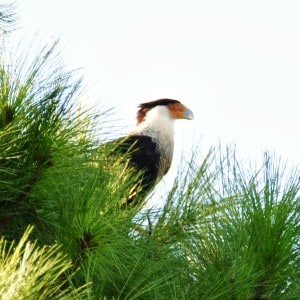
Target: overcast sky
[{"x": 236, "y": 64}]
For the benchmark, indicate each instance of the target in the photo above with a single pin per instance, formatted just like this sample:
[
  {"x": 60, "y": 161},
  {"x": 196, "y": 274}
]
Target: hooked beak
[{"x": 188, "y": 114}]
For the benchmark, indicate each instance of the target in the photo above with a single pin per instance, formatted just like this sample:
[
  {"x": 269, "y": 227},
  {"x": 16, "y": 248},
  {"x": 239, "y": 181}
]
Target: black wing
[{"x": 143, "y": 155}]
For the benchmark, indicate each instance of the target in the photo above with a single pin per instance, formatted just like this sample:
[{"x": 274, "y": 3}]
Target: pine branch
[{"x": 8, "y": 17}]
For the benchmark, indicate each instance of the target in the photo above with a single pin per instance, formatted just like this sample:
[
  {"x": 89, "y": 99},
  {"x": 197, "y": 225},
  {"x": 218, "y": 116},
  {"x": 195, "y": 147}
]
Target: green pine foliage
[
  {"x": 224, "y": 231},
  {"x": 32, "y": 272}
]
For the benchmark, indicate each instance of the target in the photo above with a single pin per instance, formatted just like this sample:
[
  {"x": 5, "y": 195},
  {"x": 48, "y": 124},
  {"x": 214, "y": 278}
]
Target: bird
[{"x": 150, "y": 145}]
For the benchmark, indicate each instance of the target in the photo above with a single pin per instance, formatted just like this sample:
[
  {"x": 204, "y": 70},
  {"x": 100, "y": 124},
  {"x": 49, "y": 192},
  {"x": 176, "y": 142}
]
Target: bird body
[
  {"x": 150, "y": 146},
  {"x": 160, "y": 128}
]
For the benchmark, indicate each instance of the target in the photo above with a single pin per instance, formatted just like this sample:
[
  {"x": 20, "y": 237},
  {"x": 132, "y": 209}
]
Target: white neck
[{"x": 157, "y": 121}]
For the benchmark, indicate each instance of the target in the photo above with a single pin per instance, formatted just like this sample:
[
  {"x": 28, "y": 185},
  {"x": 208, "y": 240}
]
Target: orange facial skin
[{"x": 179, "y": 111}]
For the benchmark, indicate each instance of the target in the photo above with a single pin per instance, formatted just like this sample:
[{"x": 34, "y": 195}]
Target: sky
[{"x": 236, "y": 64}]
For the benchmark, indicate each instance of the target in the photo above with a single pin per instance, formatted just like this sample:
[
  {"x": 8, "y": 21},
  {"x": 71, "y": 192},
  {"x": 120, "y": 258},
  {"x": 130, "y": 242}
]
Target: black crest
[{"x": 154, "y": 103}]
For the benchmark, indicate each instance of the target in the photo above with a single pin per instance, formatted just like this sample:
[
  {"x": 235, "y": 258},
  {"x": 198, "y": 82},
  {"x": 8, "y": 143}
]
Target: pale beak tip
[{"x": 188, "y": 114}]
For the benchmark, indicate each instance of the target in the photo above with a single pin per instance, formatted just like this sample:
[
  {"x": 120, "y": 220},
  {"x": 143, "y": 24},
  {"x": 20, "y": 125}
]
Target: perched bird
[{"x": 150, "y": 146}]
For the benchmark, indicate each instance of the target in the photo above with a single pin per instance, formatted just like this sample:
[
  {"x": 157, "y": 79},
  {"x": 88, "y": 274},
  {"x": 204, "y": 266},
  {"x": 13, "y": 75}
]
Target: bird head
[{"x": 175, "y": 109}]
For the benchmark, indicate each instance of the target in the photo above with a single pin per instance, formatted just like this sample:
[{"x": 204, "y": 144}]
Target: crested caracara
[{"x": 150, "y": 146}]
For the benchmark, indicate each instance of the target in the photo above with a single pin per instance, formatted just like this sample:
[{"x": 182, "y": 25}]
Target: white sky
[{"x": 236, "y": 64}]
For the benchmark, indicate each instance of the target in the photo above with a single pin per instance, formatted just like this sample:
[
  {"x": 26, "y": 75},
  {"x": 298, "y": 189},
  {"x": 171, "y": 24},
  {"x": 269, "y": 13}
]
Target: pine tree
[{"x": 223, "y": 232}]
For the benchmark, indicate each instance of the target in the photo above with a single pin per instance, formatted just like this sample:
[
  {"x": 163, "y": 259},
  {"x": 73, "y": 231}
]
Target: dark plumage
[{"x": 150, "y": 146}]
